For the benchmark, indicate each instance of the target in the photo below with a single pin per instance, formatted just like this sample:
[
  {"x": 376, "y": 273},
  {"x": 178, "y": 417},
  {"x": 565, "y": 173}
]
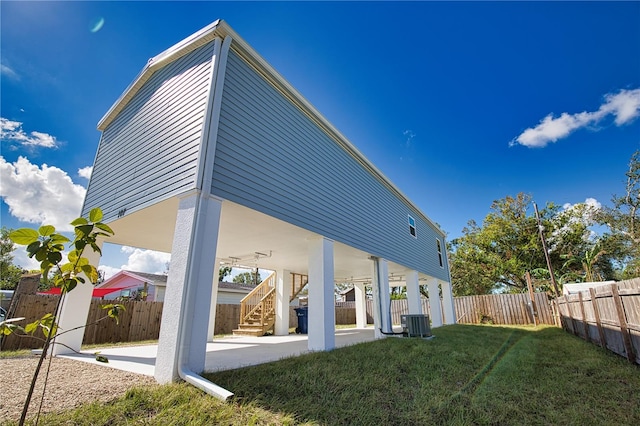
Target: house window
[
  {"x": 439, "y": 252},
  {"x": 412, "y": 227}
]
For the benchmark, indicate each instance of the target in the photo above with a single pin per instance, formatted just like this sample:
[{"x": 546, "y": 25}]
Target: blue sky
[{"x": 457, "y": 103}]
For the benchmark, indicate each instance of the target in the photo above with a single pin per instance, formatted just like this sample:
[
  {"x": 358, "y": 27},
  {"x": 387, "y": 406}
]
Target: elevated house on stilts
[{"x": 211, "y": 155}]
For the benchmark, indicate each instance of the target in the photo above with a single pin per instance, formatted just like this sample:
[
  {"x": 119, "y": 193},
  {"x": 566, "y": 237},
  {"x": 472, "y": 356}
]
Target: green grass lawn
[{"x": 466, "y": 375}]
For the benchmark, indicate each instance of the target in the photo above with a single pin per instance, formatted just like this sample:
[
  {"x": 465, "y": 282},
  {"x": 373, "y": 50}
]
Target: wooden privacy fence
[
  {"x": 608, "y": 316},
  {"x": 512, "y": 309},
  {"x": 346, "y": 311},
  {"x": 31, "y": 307},
  {"x": 141, "y": 320}
]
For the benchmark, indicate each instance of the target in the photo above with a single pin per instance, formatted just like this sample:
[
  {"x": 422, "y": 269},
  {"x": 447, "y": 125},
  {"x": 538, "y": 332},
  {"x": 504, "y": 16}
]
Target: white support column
[
  {"x": 214, "y": 302},
  {"x": 322, "y": 314},
  {"x": 385, "y": 296},
  {"x": 434, "y": 303},
  {"x": 283, "y": 296},
  {"x": 381, "y": 298},
  {"x": 75, "y": 310},
  {"x": 375, "y": 290},
  {"x": 214, "y": 305},
  {"x": 413, "y": 293},
  {"x": 361, "y": 305},
  {"x": 448, "y": 305},
  {"x": 185, "y": 316}
]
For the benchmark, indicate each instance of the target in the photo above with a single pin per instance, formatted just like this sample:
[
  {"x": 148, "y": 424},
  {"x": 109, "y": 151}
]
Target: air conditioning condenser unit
[{"x": 415, "y": 325}]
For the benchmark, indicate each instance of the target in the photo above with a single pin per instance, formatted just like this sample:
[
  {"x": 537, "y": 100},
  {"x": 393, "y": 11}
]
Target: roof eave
[
  {"x": 190, "y": 43},
  {"x": 293, "y": 95}
]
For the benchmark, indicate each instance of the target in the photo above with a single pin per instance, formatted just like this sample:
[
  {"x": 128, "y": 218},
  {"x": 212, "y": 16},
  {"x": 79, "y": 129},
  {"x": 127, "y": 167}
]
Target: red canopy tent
[{"x": 97, "y": 292}]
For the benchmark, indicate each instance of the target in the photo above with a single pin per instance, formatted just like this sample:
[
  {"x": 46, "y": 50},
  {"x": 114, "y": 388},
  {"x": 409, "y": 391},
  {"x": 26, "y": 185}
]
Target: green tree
[
  {"x": 248, "y": 278},
  {"x": 47, "y": 247},
  {"x": 471, "y": 270},
  {"x": 623, "y": 221},
  {"x": 223, "y": 272},
  {"x": 398, "y": 293},
  {"x": 9, "y": 273},
  {"x": 496, "y": 255},
  {"x": 590, "y": 270},
  {"x": 570, "y": 232},
  {"x": 587, "y": 256}
]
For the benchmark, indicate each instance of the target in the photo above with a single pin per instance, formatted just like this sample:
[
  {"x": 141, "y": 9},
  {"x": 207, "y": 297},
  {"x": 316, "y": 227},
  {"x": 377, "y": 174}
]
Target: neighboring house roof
[
  {"x": 234, "y": 287},
  {"x": 161, "y": 280},
  {"x": 221, "y": 29},
  {"x": 153, "y": 279}
]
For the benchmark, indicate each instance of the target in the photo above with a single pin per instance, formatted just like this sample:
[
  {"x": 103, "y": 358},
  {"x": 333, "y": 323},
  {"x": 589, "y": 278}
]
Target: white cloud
[
  {"x": 409, "y": 135},
  {"x": 21, "y": 259},
  {"x": 591, "y": 204},
  {"x": 108, "y": 271},
  {"x": 41, "y": 195},
  {"x": 139, "y": 260},
  {"x": 8, "y": 72},
  {"x": 624, "y": 105},
  {"x": 85, "y": 172},
  {"x": 149, "y": 261},
  {"x": 576, "y": 215},
  {"x": 11, "y": 131}
]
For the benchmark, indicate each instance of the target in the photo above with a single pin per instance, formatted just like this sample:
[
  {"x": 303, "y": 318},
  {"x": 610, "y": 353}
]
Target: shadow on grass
[{"x": 466, "y": 375}]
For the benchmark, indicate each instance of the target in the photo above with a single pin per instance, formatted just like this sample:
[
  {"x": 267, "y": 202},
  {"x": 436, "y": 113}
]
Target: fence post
[
  {"x": 596, "y": 311},
  {"x": 623, "y": 323}
]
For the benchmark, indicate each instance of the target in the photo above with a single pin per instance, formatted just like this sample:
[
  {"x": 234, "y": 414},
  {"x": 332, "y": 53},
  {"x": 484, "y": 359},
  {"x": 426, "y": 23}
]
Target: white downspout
[{"x": 184, "y": 371}]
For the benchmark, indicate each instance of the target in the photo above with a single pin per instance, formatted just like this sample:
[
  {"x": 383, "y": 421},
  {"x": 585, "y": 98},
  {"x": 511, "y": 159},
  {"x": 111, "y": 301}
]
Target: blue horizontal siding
[
  {"x": 273, "y": 158},
  {"x": 149, "y": 152}
]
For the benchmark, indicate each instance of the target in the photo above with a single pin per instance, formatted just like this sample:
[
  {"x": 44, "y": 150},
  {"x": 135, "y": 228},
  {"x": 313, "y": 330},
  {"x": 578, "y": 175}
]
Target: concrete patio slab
[{"x": 225, "y": 353}]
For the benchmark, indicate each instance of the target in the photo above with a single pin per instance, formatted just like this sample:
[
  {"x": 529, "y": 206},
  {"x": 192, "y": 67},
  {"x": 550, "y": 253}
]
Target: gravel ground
[{"x": 70, "y": 384}]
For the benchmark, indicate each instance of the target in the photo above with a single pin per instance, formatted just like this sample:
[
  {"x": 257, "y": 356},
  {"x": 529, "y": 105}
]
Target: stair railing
[
  {"x": 255, "y": 299},
  {"x": 298, "y": 281}
]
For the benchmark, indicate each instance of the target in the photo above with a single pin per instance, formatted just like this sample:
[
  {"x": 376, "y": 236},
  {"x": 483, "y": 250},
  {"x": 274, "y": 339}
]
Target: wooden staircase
[{"x": 258, "y": 308}]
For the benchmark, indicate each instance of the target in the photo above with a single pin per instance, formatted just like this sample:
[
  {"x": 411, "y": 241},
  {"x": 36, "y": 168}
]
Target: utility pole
[
  {"x": 546, "y": 252},
  {"x": 534, "y": 311}
]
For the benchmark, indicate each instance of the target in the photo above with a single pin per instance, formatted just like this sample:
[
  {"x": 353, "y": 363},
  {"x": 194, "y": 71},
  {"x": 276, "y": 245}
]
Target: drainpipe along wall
[
  {"x": 199, "y": 219},
  {"x": 207, "y": 217}
]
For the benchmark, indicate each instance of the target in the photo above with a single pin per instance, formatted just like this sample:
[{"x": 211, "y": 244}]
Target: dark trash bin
[{"x": 303, "y": 319}]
